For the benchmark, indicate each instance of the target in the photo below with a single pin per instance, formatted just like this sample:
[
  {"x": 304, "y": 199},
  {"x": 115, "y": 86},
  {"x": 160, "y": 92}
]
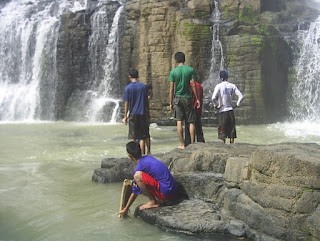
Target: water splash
[
  {"x": 29, "y": 33},
  {"x": 304, "y": 103},
  {"x": 28, "y": 36},
  {"x": 107, "y": 82}
]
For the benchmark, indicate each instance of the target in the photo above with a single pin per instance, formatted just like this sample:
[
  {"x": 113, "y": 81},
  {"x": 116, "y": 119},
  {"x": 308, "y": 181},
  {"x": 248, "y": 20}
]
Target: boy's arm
[
  {"x": 240, "y": 96},
  {"x": 124, "y": 120},
  {"x": 171, "y": 95},
  {"x": 214, "y": 97},
  {"x": 195, "y": 91},
  {"x": 131, "y": 199}
]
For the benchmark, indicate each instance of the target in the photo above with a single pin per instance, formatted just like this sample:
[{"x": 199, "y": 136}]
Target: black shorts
[
  {"x": 227, "y": 125},
  {"x": 138, "y": 127}
]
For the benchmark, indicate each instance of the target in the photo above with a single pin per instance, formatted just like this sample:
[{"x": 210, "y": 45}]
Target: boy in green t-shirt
[{"x": 182, "y": 99}]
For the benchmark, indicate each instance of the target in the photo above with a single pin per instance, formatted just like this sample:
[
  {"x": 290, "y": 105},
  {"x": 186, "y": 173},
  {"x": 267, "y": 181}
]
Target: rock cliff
[
  {"x": 254, "y": 48},
  {"x": 255, "y": 192},
  {"x": 254, "y": 39}
]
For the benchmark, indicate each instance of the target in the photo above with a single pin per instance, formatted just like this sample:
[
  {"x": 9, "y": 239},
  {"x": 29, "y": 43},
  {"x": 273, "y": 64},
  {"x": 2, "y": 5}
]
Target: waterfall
[
  {"x": 304, "y": 103},
  {"x": 216, "y": 49},
  {"x": 28, "y": 36},
  {"x": 217, "y": 60},
  {"x": 106, "y": 83},
  {"x": 29, "y": 33},
  {"x": 217, "y": 63}
]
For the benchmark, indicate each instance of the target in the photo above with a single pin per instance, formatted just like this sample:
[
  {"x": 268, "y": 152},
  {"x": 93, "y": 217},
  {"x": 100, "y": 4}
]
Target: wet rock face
[
  {"x": 75, "y": 76},
  {"x": 152, "y": 32},
  {"x": 252, "y": 34},
  {"x": 256, "y": 36},
  {"x": 256, "y": 192}
]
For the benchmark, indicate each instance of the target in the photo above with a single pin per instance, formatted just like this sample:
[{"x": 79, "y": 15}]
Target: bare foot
[
  {"x": 149, "y": 204},
  {"x": 181, "y": 147}
]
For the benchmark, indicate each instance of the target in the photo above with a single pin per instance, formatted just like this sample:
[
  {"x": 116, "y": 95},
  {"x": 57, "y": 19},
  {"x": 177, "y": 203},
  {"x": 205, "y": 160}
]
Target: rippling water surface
[{"x": 46, "y": 192}]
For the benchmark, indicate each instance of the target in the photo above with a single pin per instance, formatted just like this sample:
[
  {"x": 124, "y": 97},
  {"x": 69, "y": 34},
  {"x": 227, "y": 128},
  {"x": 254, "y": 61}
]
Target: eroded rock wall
[
  {"x": 153, "y": 32},
  {"x": 257, "y": 39},
  {"x": 256, "y": 52},
  {"x": 276, "y": 190}
]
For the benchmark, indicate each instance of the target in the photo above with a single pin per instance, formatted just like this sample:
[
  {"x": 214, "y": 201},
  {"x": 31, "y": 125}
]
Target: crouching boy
[{"x": 151, "y": 177}]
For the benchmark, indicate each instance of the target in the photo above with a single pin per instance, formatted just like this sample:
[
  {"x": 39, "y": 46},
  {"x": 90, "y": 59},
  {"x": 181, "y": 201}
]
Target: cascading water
[
  {"x": 303, "y": 95},
  {"x": 217, "y": 60},
  {"x": 28, "y": 36},
  {"x": 217, "y": 63},
  {"x": 29, "y": 33},
  {"x": 105, "y": 87},
  {"x": 305, "y": 90}
]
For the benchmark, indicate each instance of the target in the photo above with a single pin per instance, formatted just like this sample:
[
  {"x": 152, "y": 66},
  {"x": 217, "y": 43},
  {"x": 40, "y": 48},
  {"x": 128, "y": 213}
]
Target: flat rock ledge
[{"x": 269, "y": 192}]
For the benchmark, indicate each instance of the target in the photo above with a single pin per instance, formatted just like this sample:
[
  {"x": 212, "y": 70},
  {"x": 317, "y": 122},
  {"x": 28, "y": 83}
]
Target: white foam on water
[{"x": 306, "y": 131}]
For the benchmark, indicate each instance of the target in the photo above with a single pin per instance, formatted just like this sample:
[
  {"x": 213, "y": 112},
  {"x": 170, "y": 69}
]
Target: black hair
[
  {"x": 133, "y": 73},
  {"x": 180, "y": 57},
  {"x": 133, "y": 148},
  {"x": 223, "y": 75}
]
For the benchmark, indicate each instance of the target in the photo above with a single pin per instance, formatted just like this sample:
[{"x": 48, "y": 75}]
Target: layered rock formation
[
  {"x": 257, "y": 39},
  {"x": 255, "y": 49},
  {"x": 256, "y": 192},
  {"x": 75, "y": 74},
  {"x": 153, "y": 32}
]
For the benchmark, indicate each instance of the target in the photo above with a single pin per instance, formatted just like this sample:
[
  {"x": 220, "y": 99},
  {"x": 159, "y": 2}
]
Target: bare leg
[
  {"x": 153, "y": 203},
  {"x": 142, "y": 146},
  {"x": 148, "y": 143},
  {"x": 231, "y": 140},
  {"x": 180, "y": 133},
  {"x": 192, "y": 132}
]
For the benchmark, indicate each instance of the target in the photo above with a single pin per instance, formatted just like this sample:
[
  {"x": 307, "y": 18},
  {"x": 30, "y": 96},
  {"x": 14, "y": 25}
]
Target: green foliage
[
  {"x": 308, "y": 190},
  {"x": 263, "y": 30},
  {"x": 188, "y": 29},
  {"x": 256, "y": 39},
  {"x": 193, "y": 30},
  {"x": 145, "y": 14},
  {"x": 227, "y": 13},
  {"x": 176, "y": 24},
  {"x": 231, "y": 60},
  {"x": 201, "y": 14},
  {"x": 305, "y": 190},
  {"x": 249, "y": 16},
  {"x": 259, "y": 43}
]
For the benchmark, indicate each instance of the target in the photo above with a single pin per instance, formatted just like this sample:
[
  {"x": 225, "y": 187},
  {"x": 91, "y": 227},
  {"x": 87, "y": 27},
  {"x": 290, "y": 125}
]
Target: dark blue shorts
[{"x": 138, "y": 127}]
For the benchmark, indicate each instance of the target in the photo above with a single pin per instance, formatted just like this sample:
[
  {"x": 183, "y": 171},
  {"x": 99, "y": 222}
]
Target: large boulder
[{"x": 262, "y": 193}]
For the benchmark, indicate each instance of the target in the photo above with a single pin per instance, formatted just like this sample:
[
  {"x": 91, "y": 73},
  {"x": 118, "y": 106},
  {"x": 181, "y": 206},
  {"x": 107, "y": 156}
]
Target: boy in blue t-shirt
[
  {"x": 151, "y": 177},
  {"x": 137, "y": 105}
]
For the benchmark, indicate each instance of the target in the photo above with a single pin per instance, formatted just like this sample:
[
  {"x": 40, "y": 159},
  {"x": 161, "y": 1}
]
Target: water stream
[
  {"x": 46, "y": 192},
  {"x": 29, "y": 33},
  {"x": 304, "y": 102},
  {"x": 217, "y": 59}
]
